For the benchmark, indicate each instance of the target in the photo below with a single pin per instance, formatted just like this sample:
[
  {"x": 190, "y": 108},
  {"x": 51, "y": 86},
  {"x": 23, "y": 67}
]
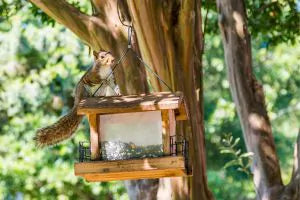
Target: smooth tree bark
[
  {"x": 249, "y": 99},
  {"x": 168, "y": 36},
  {"x": 170, "y": 39}
]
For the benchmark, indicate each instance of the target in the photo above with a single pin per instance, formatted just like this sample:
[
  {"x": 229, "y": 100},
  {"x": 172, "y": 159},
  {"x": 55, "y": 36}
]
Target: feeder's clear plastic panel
[{"x": 131, "y": 135}]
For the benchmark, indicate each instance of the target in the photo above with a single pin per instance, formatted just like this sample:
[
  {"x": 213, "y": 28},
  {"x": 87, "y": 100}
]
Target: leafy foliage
[
  {"x": 272, "y": 22},
  {"x": 9, "y": 8},
  {"x": 39, "y": 68},
  {"x": 241, "y": 160}
]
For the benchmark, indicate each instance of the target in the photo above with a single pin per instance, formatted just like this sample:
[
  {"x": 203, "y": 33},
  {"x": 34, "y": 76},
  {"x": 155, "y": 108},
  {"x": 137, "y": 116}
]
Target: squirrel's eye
[{"x": 102, "y": 57}]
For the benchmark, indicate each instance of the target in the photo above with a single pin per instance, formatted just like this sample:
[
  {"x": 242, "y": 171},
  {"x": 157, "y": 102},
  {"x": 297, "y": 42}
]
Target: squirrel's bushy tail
[{"x": 63, "y": 129}]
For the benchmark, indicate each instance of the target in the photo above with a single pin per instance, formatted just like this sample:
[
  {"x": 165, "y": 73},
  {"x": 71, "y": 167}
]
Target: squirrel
[{"x": 66, "y": 126}]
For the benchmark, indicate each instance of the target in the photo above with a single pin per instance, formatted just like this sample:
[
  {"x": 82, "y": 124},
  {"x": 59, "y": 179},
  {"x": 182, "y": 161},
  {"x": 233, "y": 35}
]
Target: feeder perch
[{"x": 133, "y": 137}]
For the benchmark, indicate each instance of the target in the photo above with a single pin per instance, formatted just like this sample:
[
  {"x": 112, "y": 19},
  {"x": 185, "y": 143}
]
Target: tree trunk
[
  {"x": 169, "y": 38},
  {"x": 248, "y": 96}
]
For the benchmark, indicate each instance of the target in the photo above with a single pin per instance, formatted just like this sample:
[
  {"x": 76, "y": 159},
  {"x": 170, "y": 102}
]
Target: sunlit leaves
[
  {"x": 39, "y": 64},
  {"x": 9, "y": 8},
  {"x": 272, "y": 22},
  {"x": 241, "y": 160}
]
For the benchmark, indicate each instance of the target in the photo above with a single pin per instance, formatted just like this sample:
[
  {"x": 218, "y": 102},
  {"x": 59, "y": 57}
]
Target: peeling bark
[
  {"x": 249, "y": 98},
  {"x": 169, "y": 35},
  {"x": 142, "y": 189}
]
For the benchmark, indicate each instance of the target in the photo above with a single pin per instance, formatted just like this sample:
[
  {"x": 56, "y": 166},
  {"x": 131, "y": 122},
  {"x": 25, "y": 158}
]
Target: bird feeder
[{"x": 133, "y": 137}]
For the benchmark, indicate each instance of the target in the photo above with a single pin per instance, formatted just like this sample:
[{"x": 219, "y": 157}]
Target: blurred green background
[{"x": 40, "y": 64}]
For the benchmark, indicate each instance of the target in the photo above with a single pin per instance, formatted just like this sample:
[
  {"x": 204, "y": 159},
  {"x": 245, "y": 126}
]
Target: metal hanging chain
[
  {"x": 125, "y": 52},
  {"x": 151, "y": 71},
  {"x": 112, "y": 71},
  {"x": 120, "y": 16},
  {"x": 129, "y": 36},
  {"x": 142, "y": 61}
]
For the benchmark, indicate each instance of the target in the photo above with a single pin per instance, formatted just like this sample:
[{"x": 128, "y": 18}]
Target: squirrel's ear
[{"x": 96, "y": 54}]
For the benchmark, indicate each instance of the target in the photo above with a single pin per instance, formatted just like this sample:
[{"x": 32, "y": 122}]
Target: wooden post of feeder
[
  {"x": 172, "y": 121},
  {"x": 94, "y": 136},
  {"x": 169, "y": 129}
]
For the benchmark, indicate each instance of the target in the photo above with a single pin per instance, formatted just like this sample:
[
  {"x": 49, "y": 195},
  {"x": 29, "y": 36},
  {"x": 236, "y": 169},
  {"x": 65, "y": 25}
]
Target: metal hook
[{"x": 129, "y": 37}]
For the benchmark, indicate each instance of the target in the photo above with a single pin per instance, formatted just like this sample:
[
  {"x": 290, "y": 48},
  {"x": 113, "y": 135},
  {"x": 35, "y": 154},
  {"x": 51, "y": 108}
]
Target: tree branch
[
  {"x": 249, "y": 97},
  {"x": 84, "y": 26},
  {"x": 150, "y": 24},
  {"x": 292, "y": 190},
  {"x": 296, "y": 168},
  {"x": 169, "y": 39}
]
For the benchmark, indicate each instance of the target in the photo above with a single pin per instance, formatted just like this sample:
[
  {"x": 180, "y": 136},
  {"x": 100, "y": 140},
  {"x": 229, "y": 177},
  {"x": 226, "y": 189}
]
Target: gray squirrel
[{"x": 66, "y": 126}]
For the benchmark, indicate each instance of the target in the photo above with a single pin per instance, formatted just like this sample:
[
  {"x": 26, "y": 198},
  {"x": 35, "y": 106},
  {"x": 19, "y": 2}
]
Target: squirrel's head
[{"x": 104, "y": 58}]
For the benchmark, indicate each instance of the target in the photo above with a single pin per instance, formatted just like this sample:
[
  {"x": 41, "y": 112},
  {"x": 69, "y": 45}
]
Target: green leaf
[
  {"x": 227, "y": 151},
  {"x": 230, "y": 139},
  {"x": 231, "y": 163},
  {"x": 248, "y": 154},
  {"x": 236, "y": 141},
  {"x": 238, "y": 152}
]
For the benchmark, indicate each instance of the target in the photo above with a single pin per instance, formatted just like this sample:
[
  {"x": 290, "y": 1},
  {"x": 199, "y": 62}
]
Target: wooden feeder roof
[{"x": 134, "y": 103}]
